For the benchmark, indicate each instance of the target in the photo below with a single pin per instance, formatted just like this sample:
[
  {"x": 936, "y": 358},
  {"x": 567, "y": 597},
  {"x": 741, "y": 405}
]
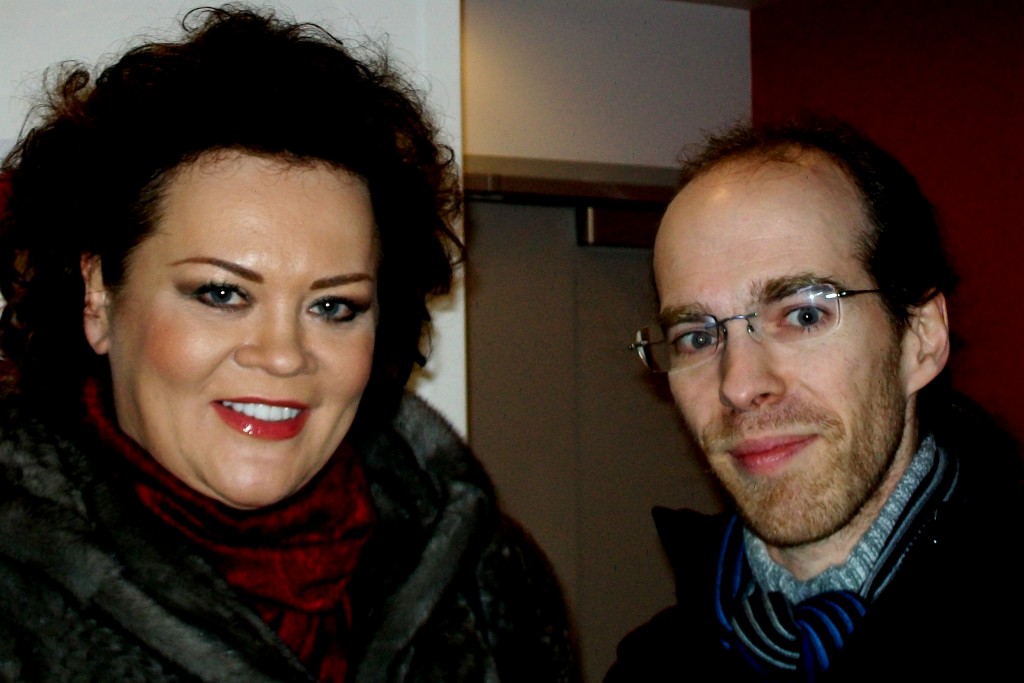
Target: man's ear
[
  {"x": 925, "y": 344},
  {"x": 96, "y": 316}
]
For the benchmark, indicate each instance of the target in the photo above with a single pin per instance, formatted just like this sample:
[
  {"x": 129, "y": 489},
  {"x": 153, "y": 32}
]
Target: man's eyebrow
[
  {"x": 683, "y": 313},
  {"x": 240, "y": 271},
  {"x": 761, "y": 292},
  {"x": 775, "y": 289}
]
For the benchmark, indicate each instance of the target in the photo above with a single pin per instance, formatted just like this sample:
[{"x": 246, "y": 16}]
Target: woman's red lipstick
[
  {"x": 272, "y": 420},
  {"x": 769, "y": 454}
]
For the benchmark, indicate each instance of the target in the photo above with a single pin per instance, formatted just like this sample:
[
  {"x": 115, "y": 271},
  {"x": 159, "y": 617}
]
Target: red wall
[{"x": 940, "y": 83}]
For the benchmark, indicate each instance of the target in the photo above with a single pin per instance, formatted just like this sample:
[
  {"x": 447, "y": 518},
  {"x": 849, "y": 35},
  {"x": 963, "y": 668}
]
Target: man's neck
[{"x": 806, "y": 561}]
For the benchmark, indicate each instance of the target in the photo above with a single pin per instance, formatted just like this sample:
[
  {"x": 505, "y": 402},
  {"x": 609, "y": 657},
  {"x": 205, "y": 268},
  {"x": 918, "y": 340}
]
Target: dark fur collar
[{"x": 65, "y": 520}]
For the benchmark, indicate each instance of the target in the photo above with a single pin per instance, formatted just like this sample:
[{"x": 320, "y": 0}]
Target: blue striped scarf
[{"x": 783, "y": 633}]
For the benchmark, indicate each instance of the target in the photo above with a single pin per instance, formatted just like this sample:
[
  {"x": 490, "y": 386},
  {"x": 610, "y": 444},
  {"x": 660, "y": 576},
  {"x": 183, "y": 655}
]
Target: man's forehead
[
  {"x": 745, "y": 226},
  {"x": 778, "y": 167}
]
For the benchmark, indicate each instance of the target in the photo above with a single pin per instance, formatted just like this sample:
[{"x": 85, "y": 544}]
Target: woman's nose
[{"x": 276, "y": 345}]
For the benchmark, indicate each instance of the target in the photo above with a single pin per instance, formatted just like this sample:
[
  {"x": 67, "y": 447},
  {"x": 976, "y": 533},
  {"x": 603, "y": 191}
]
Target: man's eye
[
  {"x": 804, "y": 317},
  {"x": 693, "y": 341},
  {"x": 221, "y": 296}
]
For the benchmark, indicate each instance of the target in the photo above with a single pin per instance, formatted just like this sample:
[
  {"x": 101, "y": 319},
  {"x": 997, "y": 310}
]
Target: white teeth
[{"x": 261, "y": 411}]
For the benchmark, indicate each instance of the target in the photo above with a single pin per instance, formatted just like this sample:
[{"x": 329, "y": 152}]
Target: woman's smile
[{"x": 263, "y": 420}]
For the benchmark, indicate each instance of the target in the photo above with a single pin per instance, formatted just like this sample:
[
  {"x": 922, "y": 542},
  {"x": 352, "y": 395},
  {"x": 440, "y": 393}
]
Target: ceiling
[{"x": 740, "y": 4}]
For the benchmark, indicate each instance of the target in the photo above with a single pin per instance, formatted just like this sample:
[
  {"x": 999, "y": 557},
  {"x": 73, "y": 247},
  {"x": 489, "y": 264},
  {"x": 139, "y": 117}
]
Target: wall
[
  {"x": 578, "y": 438},
  {"x": 940, "y": 83},
  {"x": 616, "y": 81},
  {"x": 423, "y": 36}
]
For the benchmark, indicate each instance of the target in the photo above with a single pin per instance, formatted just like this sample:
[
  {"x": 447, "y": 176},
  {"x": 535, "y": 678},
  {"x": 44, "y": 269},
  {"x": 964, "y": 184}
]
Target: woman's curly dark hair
[{"x": 88, "y": 179}]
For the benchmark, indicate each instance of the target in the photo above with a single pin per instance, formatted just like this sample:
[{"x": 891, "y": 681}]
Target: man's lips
[
  {"x": 262, "y": 418},
  {"x": 768, "y": 454}
]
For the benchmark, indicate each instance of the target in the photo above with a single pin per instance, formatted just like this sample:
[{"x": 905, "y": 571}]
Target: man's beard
[{"x": 817, "y": 498}]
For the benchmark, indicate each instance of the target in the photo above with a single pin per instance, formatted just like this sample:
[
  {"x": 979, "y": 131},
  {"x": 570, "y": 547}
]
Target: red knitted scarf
[{"x": 291, "y": 561}]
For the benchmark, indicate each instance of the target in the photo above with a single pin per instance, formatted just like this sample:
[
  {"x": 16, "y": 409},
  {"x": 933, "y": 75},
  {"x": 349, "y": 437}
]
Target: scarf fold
[
  {"x": 784, "y": 639},
  {"x": 291, "y": 562}
]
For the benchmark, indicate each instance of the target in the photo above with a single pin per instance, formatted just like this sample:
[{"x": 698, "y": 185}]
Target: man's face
[{"x": 800, "y": 434}]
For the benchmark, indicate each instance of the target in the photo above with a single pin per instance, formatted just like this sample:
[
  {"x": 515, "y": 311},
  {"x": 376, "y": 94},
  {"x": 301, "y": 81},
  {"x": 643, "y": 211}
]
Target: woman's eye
[
  {"x": 336, "y": 310},
  {"x": 221, "y": 296}
]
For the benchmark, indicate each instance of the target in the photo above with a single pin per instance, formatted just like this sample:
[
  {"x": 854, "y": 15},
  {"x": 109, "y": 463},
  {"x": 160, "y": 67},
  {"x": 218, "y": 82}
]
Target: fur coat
[{"x": 93, "y": 587}]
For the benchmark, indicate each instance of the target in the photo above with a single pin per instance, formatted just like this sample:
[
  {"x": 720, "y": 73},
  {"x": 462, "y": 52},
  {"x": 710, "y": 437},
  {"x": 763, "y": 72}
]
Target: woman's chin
[{"x": 249, "y": 496}]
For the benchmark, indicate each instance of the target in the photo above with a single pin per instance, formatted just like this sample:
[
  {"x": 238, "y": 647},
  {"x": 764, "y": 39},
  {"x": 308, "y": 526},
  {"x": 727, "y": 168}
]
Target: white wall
[
  {"x": 614, "y": 81},
  {"x": 423, "y": 35}
]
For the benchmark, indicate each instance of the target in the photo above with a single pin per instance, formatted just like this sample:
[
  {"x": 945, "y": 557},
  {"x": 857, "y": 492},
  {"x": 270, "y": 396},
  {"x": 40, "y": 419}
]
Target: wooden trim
[
  {"x": 616, "y": 205},
  {"x": 619, "y": 225},
  {"x": 518, "y": 177}
]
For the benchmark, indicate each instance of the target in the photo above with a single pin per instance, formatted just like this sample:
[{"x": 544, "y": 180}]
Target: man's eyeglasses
[{"x": 690, "y": 341}]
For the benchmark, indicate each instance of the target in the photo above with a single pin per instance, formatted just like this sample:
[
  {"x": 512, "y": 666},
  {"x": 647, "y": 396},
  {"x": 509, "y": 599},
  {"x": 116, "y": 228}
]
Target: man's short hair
[{"x": 902, "y": 250}]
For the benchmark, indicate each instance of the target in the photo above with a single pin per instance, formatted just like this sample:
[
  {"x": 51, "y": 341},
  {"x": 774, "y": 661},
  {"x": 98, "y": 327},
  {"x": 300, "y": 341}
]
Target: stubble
[{"x": 814, "y": 499}]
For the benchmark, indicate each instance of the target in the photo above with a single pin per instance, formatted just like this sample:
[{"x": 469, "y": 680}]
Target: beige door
[{"x": 580, "y": 440}]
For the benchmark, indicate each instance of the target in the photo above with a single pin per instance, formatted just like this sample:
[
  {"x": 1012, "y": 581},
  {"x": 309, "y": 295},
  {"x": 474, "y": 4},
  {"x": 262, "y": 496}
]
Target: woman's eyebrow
[
  {"x": 240, "y": 271},
  {"x": 336, "y": 280}
]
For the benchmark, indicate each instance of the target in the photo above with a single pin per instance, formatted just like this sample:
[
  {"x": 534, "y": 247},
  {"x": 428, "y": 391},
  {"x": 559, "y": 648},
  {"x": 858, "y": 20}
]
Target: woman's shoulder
[
  {"x": 38, "y": 461},
  {"x": 436, "y": 444},
  {"x": 479, "y": 595},
  {"x": 419, "y": 458},
  {"x": 43, "y": 509}
]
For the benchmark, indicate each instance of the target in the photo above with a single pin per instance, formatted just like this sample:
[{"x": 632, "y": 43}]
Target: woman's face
[{"x": 242, "y": 337}]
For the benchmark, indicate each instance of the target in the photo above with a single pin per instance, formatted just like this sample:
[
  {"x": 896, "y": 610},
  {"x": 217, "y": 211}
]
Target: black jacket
[
  {"x": 93, "y": 587},
  {"x": 952, "y": 612}
]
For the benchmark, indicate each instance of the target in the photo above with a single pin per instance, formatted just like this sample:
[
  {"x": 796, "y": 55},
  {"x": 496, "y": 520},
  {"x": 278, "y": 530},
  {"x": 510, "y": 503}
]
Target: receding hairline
[
  {"x": 797, "y": 154},
  {"x": 782, "y": 153}
]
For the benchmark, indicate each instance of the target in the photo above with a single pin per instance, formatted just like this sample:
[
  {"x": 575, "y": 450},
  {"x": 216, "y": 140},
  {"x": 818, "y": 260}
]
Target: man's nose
[
  {"x": 748, "y": 371},
  {"x": 276, "y": 344}
]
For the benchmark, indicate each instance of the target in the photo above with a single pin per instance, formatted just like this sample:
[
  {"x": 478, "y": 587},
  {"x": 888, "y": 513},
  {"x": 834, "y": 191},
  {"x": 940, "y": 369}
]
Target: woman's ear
[
  {"x": 96, "y": 314},
  {"x": 925, "y": 344}
]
